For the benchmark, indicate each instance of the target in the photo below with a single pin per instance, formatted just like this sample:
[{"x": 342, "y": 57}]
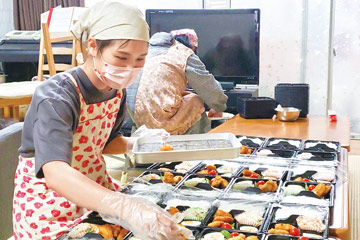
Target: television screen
[{"x": 228, "y": 39}]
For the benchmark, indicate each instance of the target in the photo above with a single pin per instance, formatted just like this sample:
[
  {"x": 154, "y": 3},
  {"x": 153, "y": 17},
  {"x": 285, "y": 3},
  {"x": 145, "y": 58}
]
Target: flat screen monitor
[{"x": 228, "y": 39}]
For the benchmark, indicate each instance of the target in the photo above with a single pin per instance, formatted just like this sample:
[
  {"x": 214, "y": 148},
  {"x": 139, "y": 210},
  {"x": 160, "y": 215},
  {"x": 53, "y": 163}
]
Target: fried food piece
[
  {"x": 215, "y": 224},
  {"x": 170, "y": 178},
  {"x": 173, "y": 210},
  {"x": 278, "y": 231},
  {"x": 210, "y": 167},
  {"x": 218, "y": 181},
  {"x": 223, "y": 219},
  {"x": 252, "y": 238},
  {"x": 284, "y": 226},
  {"x": 321, "y": 190},
  {"x": 116, "y": 230},
  {"x": 165, "y": 169},
  {"x": 221, "y": 213},
  {"x": 166, "y": 147},
  {"x": 205, "y": 171},
  {"x": 106, "y": 231},
  {"x": 299, "y": 179},
  {"x": 269, "y": 186},
  {"x": 245, "y": 150},
  {"x": 248, "y": 173}
]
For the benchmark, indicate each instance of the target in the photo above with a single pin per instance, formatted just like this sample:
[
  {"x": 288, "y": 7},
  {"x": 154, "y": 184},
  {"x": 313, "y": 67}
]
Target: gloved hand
[
  {"x": 143, "y": 131},
  {"x": 144, "y": 218}
]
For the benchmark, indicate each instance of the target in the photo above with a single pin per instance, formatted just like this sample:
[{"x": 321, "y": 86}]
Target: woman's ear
[{"x": 92, "y": 47}]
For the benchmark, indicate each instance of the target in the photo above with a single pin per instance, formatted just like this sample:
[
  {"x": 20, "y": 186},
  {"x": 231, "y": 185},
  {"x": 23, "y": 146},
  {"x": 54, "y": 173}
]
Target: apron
[
  {"x": 160, "y": 100},
  {"x": 41, "y": 213}
]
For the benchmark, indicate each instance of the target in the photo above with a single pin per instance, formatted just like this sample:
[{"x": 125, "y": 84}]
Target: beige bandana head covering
[{"x": 110, "y": 19}]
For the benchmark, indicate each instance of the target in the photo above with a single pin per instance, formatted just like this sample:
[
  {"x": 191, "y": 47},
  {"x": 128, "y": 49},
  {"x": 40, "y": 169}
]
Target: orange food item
[
  {"x": 269, "y": 186},
  {"x": 248, "y": 173},
  {"x": 173, "y": 210},
  {"x": 170, "y": 178},
  {"x": 245, "y": 150},
  {"x": 219, "y": 182},
  {"x": 166, "y": 147}
]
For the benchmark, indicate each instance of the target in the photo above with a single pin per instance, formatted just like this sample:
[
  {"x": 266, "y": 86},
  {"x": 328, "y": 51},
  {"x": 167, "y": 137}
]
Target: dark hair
[
  {"x": 184, "y": 40},
  {"x": 103, "y": 44}
]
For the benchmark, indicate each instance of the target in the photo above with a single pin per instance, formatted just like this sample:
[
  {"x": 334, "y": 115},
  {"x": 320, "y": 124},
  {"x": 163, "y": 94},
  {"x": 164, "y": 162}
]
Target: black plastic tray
[
  {"x": 283, "y": 145},
  {"x": 319, "y": 156},
  {"x": 249, "y": 143},
  {"x": 234, "y": 212},
  {"x": 277, "y": 153},
  {"x": 210, "y": 230},
  {"x": 270, "y": 223},
  {"x": 172, "y": 165},
  {"x": 203, "y": 165},
  {"x": 160, "y": 173},
  {"x": 251, "y": 190},
  {"x": 202, "y": 186},
  {"x": 321, "y": 147},
  {"x": 286, "y": 237},
  {"x": 329, "y": 196},
  {"x": 307, "y": 174},
  {"x": 259, "y": 170}
]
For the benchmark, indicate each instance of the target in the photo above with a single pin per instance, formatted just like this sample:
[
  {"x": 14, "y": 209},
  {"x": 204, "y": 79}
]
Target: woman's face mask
[{"x": 116, "y": 77}]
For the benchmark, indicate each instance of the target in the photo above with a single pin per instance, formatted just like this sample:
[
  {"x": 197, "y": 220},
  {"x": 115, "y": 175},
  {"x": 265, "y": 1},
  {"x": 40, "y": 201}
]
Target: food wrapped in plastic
[
  {"x": 255, "y": 189},
  {"x": 206, "y": 186},
  {"x": 218, "y": 167},
  {"x": 311, "y": 174},
  {"x": 307, "y": 193},
  {"x": 135, "y": 187},
  {"x": 183, "y": 167},
  {"x": 213, "y": 234},
  {"x": 317, "y": 158},
  {"x": 242, "y": 215},
  {"x": 188, "y": 211},
  {"x": 265, "y": 171},
  {"x": 306, "y": 219},
  {"x": 283, "y": 144},
  {"x": 252, "y": 142}
]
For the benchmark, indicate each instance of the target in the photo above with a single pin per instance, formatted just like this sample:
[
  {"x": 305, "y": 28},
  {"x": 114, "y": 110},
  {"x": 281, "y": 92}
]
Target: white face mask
[{"x": 117, "y": 77}]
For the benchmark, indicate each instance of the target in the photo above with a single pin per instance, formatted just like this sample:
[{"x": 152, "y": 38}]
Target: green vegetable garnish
[
  {"x": 233, "y": 225},
  {"x": 226, "y": 234},
  {"x": 306, "y": 187}
]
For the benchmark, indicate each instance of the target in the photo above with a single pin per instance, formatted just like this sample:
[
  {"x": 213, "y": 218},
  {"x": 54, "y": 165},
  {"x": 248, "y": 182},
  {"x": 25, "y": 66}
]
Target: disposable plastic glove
[
  {"x": 142, "y": 132},
  {"x": 144, "y": 218}
]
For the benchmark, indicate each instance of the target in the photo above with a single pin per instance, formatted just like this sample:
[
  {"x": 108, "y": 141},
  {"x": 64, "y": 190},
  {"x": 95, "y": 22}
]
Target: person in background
[
  {"x": 74, "y": 118},
  {"x": 159, "y": 98}
]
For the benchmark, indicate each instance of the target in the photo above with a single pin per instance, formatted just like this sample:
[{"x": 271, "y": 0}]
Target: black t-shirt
[{"x": 53, "y": 117}]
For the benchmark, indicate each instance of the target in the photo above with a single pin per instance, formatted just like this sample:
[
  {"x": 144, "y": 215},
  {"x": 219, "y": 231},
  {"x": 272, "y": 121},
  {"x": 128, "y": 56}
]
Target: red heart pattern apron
[{"x": 41, "y": 213}]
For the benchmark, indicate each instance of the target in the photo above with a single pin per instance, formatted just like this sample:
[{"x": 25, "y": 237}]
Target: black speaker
[
  {"x": 293, "y": 95},
  {"x": 256, "y": 107}
]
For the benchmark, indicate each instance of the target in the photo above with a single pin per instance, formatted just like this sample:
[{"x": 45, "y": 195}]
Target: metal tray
[{"x": 192, "y": 153}]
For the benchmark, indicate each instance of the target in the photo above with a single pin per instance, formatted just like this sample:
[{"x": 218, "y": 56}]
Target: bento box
[
  {"x": 243, "y": 215},
  {"x": 211, "y": 234},
  {"x": 294, "y": 220},
  {"x": 256, "y": 189},
  {"x": 187, "y": 147},
  {"x": 283, "y": 144},
  {"x": 312, "y": 193}
]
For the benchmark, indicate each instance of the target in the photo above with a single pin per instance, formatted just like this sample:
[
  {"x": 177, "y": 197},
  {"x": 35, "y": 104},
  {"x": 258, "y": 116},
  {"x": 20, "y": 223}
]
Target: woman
[
  {"x": 159, "y": 99},
  {"x": 73, "y": 119}
]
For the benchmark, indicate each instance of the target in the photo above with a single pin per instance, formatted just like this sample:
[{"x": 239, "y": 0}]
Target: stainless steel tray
[{"x": 206, "y": 150}]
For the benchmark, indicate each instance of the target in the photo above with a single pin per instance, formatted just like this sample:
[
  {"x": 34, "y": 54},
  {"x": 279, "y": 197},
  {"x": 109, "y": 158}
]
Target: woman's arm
[
  {"x": 118, "y": 145},
  {"x": 73, "y": 185}
]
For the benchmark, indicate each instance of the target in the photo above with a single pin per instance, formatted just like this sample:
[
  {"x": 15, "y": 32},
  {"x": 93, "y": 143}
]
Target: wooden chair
[
  {"x": 49, "y": 52},
  {"x": 13, "y": 95}
]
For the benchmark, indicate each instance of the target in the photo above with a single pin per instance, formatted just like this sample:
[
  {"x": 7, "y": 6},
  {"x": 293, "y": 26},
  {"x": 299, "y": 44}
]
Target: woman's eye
[
  {"x": 141, "y": 59},
  {"x": 122, "y": 58}
]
